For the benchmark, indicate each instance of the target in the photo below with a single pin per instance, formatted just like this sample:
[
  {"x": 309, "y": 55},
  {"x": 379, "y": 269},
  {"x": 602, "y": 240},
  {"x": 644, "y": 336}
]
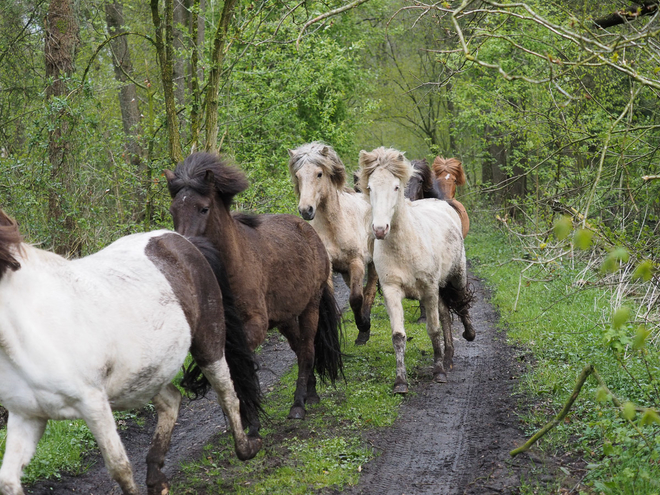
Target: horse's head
[
  {"x": 420, "y": 182},
  {"x": 384, "y": 173},
  {"x": 449, "y": 173},
  {"x": 200, "y": 186},
  {"x": 315, "y": 170}
]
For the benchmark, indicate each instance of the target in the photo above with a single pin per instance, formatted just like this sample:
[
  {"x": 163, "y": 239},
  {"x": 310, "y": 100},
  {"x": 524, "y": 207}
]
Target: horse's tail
[
  {"x": 241, "y": 361},
  {"x": 328, "y": 361},
  {"x": 459, "y": 301}
]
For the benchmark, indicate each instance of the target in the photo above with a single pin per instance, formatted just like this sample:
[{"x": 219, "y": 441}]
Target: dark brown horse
[{"x": 277, "y": 266}]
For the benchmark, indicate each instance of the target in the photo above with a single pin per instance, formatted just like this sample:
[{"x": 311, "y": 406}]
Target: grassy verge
[{"x": 560, "y": 318}]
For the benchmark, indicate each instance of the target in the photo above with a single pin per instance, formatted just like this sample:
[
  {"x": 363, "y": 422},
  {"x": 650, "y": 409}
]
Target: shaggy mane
[
  {"x": 452, "y": 166},
  {"x": 10, "y": 238},
  {"x": 387, "y": 158},
  {"x": 424, "y": 173},
  {"x": 193, "y": 172},
  {"x": 320, "y": 155}
]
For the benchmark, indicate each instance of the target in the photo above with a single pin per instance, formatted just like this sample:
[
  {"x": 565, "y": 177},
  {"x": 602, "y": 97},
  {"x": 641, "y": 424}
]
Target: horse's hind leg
[
  {"x": 368, "y": 295},
  {"x": 218, "y": 374},
  {"x": 23, "y": 434},
  {"x": 437, "y": 319},
  {"x": 167, "y": 404},
  {"x": 97, "y": 414}
]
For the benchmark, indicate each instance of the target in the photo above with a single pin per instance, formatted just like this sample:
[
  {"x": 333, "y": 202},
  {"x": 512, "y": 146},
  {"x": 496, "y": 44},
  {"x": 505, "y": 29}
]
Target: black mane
[{"x": 201, "y": 170}]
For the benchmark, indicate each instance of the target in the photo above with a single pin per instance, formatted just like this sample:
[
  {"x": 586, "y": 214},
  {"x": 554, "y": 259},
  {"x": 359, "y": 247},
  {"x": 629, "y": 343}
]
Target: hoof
[
  {"x": 400, "y": 388},
  {"x": 296, "y": 412},
  {"x": 448, "y": 364},
  {"x": 440, "y": 377},
  {"x": 158, "y": 486},
  {"x": 362, "y": 338},
  {"x": 253, "y": 447},
  {"x": 469, "y": 336}
]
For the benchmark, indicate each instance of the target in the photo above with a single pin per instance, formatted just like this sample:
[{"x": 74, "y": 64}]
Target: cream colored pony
[
  {"x": 418, "y": 254},
  {"x": 340, "y": 217}
]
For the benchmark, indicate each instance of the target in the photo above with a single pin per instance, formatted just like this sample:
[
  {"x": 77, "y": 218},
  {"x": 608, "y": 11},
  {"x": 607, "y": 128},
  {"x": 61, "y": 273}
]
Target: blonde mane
[
  {"x": 321, "y": 155},
  {"x": 388, "y": 158},
  {"x": 452, "y": 166}
]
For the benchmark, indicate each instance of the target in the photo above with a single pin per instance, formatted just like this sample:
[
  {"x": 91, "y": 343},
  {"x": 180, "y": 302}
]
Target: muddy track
[{"x": 452, "y": 438}]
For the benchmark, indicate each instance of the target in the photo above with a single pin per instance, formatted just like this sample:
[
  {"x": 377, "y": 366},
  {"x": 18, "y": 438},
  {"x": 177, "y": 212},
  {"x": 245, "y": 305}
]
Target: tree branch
[
  {"x": 623, "y": 16},
  {"x": 326, "y": 15}
]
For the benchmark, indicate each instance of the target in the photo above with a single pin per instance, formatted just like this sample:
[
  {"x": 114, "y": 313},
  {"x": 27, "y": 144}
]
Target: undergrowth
[{"x": 560, "y": 311}]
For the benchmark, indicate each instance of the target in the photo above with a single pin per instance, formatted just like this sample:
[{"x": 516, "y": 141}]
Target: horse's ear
[
  {"x": 169, "y": 175},
  {"x": 324, "y": 151},
  {"x": 361, "y": 156},
  {"x": 400, "y": 157},
  {"x": 291, "y": 153},
  {"x": 209, "y": 177}
]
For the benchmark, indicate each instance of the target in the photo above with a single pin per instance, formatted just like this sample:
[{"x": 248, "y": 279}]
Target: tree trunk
[
  {"x": 61, "y": 38},
  {"x": 213, "y": 90},
  {"x": 165, "y": 52},
  {"x": 128, "y": 99}
]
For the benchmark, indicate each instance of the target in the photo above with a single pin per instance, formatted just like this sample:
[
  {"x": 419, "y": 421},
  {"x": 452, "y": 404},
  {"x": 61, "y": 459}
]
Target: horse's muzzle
[
  {"x": 307, "y": 213},
  {"x": 381, "y": 232}
]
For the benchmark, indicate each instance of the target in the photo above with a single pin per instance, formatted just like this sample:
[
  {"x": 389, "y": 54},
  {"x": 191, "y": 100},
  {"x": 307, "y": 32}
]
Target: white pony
[
  {"x": 79, "y": 339},
  {"x": 418, "y": 254},
  {"x": 340, "y": 217}
]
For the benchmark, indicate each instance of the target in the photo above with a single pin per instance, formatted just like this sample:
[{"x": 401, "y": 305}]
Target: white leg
[
  {"x": 218, "y": 374},
  {"x": 97, "y": 414},
  {"x": 393, "y": 296},
  {"x": 167, "y": 404},
  {"x": 23, "y": 434}
]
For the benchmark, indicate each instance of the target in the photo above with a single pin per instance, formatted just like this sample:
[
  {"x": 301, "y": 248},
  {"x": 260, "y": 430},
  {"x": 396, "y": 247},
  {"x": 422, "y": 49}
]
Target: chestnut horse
[
  {"x": 338, "y": 214},
  {"x": 277, "y": 266},
  {"x": 449, "y": 174},
  {"x": 418, "y": 254},
  {"x": 81, "y": 338}
]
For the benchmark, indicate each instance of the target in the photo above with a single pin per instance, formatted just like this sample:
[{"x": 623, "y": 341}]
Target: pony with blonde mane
[
  {"x": 338, "y": 214},
  {"x": 418, "y": 254}
]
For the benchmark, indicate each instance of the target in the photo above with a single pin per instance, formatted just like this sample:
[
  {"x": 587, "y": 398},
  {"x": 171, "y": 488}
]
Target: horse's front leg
[
  {"x": 23, "y": 434},
  {"x": 97, "y": 414},
  {"x": 300, "y": 335},
  {"x": 393, "y": 296},
  {"x": 356, "y": 300},
  {"x": 218, "y": 375},
  {"x": 369, "y": 292},
  {"x": 167, "y": 404}
]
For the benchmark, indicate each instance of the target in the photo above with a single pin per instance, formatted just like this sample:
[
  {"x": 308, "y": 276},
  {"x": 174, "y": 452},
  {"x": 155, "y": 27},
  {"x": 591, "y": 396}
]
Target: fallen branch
[{"x": 651, "y": 177}]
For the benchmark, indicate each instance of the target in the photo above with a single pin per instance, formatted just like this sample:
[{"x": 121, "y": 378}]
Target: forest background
[{"x": 551, "y": 106}]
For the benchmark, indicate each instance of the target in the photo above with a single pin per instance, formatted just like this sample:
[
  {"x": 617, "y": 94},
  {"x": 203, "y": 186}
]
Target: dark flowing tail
[
  {"x": 329, "y": 335},
  {"x": 458, "y": 301},
  {"x": 241, "y": 361}
]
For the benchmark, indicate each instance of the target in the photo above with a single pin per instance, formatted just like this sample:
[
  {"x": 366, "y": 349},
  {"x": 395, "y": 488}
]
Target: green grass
[{"x": 561, "y": 323}]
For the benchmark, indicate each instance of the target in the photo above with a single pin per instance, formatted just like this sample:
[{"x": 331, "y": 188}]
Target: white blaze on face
[
  {"x": 448, "y": 176},
  {"x": 384, "y": 190}
]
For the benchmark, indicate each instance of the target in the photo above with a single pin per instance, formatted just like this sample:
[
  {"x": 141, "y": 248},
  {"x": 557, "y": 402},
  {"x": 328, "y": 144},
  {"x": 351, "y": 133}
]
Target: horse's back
[
  {"x": 294, "y": 261},
  {"x": 110, "y": 322}
]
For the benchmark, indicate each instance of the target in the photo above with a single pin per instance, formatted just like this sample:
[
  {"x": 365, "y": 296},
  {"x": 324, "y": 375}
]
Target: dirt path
[{"x": 449, "y": 439}]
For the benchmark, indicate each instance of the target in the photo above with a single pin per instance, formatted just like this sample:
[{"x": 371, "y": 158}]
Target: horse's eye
[
  {"x": 396, "y": 188},
  {"x": 320, "y": 174},
  {"x": 204, "y": 211}
]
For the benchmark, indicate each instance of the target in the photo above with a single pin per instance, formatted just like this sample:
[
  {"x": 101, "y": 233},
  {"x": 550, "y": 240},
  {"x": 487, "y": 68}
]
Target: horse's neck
[
  {"x": 229, "y": 239},
  {"x": 330, "y": 218},
  {"x": 401, "y": 225}
]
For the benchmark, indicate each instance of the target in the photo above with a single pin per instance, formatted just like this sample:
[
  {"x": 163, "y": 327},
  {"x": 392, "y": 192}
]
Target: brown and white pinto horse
[
  {"x": 277, "y": 266},
  {"x": 81, "y": 338}
]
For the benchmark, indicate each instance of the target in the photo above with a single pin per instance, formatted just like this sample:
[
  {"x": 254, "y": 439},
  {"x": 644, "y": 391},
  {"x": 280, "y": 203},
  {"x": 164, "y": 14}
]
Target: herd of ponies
[{"x": 85, "y": 337}]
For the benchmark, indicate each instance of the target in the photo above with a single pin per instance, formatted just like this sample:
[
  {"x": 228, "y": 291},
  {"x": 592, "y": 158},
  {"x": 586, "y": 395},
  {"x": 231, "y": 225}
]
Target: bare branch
[{"x": 326, "y": 15}]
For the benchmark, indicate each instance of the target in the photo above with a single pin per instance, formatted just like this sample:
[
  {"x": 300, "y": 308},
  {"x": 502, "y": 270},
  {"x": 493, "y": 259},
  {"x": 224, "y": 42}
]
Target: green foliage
[{"x": 566, "y": 323}]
